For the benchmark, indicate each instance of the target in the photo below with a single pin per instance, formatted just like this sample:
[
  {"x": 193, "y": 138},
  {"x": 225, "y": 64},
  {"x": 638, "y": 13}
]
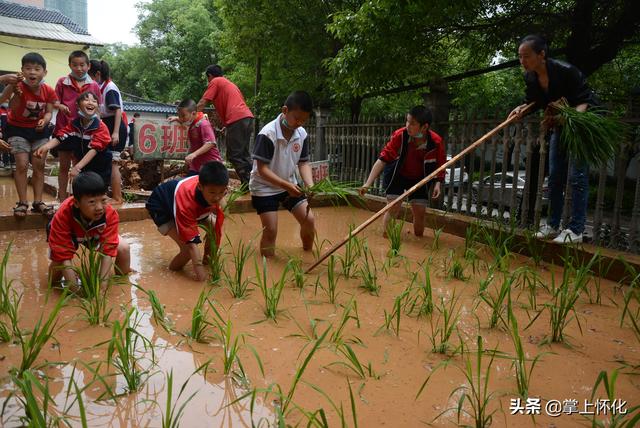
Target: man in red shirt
[{"x": 236, "y": 116}]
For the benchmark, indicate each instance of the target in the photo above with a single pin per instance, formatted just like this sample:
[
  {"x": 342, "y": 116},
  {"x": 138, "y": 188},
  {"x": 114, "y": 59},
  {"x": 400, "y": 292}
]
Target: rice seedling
[
  {"x": 499, "y": 241},
  {"x": 232, "y": 198},
  {"x": 238, "y": 284},
  {"x": 527, "y": 279},
  {"x": 201, "y": 323},
  {"x": 352, "y": 362},
  {"x": 632, "y": 295},
  {"x": 350, "y": 312},
  {"x": 522, "y": 365},
  {"x": 628, "y": 418},
  {"x": 158, "y": 312},
  {"x": 9, "y": 313},
  {"x": 475, "y": 392},
  {"x": 499, "y": 304},
  {"x": 534, "y": 246},
  {"x": 342, "y": 191},
  {"x": 213, "y": 258},
  {"x": 173, "y": 412},
  {"x": 444, "y": 326},
  {"x": 319, "y": 418},
  {"x": 93, "y": 288},
  {"x": 36, "y": 400},
  {"x": 231, "y": 346},
  {"x": 297, "y": 272},
  {"x": 352, "y": 252},
  {"x": 392, "y": 319},
  {"x": 5, "y": 283},
  {"x": 590, "y": 137},
  {"x": 394, "y": 233},
  {"x": 124, "y": 351},
  {"x": 273, "y": 294},
  {"x": 454, "y": 269},
  {"x": 32, "y": 343},
  {"x": 368, "y": 272},
  {"x": 435, "y": 245},
  {"x": 332, "y": 281},
  {"x": 419, "y": 301}
]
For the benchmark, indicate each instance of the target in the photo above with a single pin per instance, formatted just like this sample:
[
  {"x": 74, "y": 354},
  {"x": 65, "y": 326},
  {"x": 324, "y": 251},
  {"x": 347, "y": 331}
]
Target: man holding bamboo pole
[{"x": 548, "y": 81}]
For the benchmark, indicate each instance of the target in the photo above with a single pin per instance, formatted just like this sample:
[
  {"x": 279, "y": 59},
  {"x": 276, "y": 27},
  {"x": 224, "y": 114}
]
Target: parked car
[
  {"x": 499, "y": 194},
  {"x": 460, "y": 176}
]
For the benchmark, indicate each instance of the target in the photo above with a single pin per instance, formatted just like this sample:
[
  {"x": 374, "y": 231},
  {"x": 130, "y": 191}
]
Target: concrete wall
[{"x": 12, "y": 49}]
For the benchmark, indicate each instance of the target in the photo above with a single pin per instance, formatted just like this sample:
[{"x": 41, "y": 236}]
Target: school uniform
[
  {"x": 180, "y": 204},
  {"x": 283, "y": 158},
  {"x": 112, "y": 100},
  {"x": 408, "y": 162},
  {"x": 67, "y": 90},
  {"x": 25, "y": 111},
  {"x": 68, "y": 229},
  {"x": 200, "y": 133},
  {"x": 80, "y": 140}
]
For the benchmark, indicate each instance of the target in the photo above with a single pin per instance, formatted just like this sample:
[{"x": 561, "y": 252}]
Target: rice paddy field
[{"x": 404, "y": 331}]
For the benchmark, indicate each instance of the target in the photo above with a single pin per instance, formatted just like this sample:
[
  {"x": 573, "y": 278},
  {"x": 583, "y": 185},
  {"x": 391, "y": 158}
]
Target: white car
[{"x": 460, "y": 176}]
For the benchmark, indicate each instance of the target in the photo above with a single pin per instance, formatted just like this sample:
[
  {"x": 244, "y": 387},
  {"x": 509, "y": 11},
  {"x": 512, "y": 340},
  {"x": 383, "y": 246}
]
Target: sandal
[
  {"x": 42, "y": 208},
  {"x": 20, "y": 210}
]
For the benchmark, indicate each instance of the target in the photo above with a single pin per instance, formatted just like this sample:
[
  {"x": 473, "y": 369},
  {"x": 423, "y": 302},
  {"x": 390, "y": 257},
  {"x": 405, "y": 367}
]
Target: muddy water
[
  {"x": 9, "y": 196},
  {"x": 400, "y": 364}
]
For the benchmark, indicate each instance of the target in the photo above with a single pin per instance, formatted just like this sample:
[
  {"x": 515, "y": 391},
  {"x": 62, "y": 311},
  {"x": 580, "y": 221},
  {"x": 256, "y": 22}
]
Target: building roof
[
  {"x": 149, "y": 107},
  {"x": 37, "y": 23}
]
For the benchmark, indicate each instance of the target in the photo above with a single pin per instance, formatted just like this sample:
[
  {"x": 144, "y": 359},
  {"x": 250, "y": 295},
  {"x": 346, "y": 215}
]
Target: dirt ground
[{"x": 400, "y": 363}]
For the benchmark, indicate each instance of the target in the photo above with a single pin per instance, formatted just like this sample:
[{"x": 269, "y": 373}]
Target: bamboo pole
[{"x": 421, "y": 183}]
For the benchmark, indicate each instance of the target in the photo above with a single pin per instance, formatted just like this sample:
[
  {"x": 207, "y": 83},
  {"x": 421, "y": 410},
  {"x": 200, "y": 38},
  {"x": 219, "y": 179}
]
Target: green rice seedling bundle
[
  {"x": 271, "y": 294},
  {"x": 499, "y": 304},
  {"x": 125, "y": 350},
  {"x": 394, "y": 232},
  {"x": 445, "y": 325},
  {"x": 592, "y": 137},
  {"x": 33, "y": 342},
  {"x": 340, "y": 190},
  {"x": 368, "y": 272},
  {"x": 238, "y": 283},
  {"x": 419, "y": 302}
]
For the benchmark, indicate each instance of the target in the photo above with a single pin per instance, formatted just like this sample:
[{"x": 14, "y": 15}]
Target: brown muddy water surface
[{"x": 400, "y": 364}]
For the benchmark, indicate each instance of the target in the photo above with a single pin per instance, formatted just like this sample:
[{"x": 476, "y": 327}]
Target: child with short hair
[
  {"x": 31, "y": 103},
  {"x": 412, "y": 153},
  {"x": 178, "y": 206},
  {"x": 67, "y": 89},
  {"x": 86, "y": 218},
  {"x": 280, "y": 147},
  {"x": 88, "y": 139},
  {"x": 112, "y": 114},
  {"x": 202, "y": 140}
]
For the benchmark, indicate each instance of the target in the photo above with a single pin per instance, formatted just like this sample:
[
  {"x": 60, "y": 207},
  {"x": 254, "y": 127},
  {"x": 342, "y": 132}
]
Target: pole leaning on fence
[{"x": 421, "y": 183}]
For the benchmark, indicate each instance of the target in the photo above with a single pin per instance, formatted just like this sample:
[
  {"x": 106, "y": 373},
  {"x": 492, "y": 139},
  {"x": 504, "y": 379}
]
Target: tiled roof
[
  {"x": 43, "y": 30},
  {"x": 149, "y": 108},
  {"x": 30, "y": 13}
]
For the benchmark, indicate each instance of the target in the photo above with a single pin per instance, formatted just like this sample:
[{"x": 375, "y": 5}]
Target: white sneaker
[
  {"x": 567, "y": 236},
  {"x": 546, "y": 231}
]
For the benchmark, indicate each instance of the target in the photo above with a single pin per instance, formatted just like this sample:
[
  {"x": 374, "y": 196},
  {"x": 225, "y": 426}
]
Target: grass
[
  {"x": 297, "y": 272},
  {"x": 394, "y": 233},
  {"x": 238, "y": 283},
  {"x": 124, "y": 349},
  {"x": 201, "y": 323},
  {"x": 455, "y": 269},
  {"x": 213, "y": 254},
  {"x": 332, "y": 281},
  {"x": 499, "y": 304},
  {"x": 368, "y": 272},
  {"x": 272, "y": 295},
  {"x": 473, "y": 398},
  {"x": 522, "y": 365},
  {"x": 32, "y": 343},
  {"x": 628, "y": 419},
  {"x": 419, "y": 301},
  {"x": 92, "y": 293},
  {"x": 352, "y": 363},
  {"x": 444, "y": 326},
  {"x": 352, "y": 252}
]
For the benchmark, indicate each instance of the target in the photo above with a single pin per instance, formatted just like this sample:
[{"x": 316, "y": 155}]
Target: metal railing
[{"x": 504, "y": 179}]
